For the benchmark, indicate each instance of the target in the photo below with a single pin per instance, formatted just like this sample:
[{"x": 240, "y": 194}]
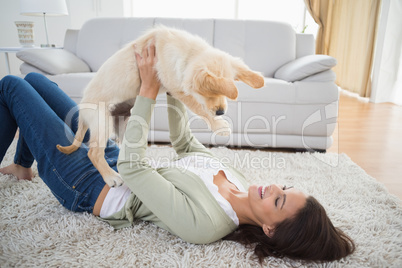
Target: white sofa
[{"x": 297, "y": 108}]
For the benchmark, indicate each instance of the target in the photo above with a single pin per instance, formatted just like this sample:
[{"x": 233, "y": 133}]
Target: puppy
[{"x": 192, "y": 71}]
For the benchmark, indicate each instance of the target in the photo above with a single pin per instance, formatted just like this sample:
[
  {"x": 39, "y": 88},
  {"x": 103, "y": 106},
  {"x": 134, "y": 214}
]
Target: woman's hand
[{"x": 149, "y": 80}]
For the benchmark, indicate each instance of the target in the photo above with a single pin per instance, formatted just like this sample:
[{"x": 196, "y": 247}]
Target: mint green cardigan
[{"x": 173, "y": 198}]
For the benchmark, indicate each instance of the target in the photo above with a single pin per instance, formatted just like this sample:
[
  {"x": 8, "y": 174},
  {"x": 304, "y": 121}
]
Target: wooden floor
[{"x": 371, "y": 135}]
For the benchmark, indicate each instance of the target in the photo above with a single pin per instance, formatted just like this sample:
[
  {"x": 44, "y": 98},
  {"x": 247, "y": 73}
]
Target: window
[
  {"x": 221, "y": 9},
  {"x": 290, "y": 11}
]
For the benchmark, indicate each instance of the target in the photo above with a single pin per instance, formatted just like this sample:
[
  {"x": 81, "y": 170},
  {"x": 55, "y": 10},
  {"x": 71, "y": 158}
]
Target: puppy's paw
[
  {"x": 221, "y": 127},
  {"x": 114, "y": 181},
  {"x": 224, "y": 132}
]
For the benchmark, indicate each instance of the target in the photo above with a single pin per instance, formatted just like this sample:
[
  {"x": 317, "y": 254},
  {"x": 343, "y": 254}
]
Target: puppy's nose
[{"x": 220, "y": 112}]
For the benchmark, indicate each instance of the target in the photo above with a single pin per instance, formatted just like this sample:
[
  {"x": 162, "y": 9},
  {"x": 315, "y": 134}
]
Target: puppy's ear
[
  {"x": 243, "y": 73},
  {"x": 209, "y": 86}
]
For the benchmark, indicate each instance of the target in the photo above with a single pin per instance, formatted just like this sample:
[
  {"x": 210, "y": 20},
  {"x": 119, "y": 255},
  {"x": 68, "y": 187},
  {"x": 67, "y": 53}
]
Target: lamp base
[{"x": 47, "y": 45}]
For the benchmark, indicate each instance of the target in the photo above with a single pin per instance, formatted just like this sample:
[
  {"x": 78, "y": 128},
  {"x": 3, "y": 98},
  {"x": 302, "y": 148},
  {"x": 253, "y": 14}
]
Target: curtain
[
  {"x": 387, "y": 66},
  {"x": 347, "y": 32}
]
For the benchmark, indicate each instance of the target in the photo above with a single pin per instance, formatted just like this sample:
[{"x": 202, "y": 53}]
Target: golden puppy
[{"x": 192, "y": 71}]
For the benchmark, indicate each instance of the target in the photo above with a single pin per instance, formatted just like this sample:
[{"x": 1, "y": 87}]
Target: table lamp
[{"x": 44, "y": 8}]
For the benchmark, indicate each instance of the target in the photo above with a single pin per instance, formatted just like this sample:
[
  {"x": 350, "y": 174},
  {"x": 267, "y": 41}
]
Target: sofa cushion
[
  {"x": 201, "y": 27},
  {"x": 280, "y": 91},
  {"x": 100, "y": 38},
  {"x": 264, "y": 46},
  {"x": 263, "y": 117},
  {"x": 53, "y": 61},
  {"x": 73, "y": 83},
  {"x": 304, "y": 67}
]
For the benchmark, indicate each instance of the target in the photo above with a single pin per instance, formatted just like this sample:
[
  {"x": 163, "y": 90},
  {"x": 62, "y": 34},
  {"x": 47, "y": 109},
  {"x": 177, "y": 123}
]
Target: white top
[
  {"x": 114, "y": 200},
  {"x": 205, "y": 167}
]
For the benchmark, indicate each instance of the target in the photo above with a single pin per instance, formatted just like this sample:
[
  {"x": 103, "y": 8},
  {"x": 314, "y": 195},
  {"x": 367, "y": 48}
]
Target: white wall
[
  {"x": 83, "y": 10},
  {"x": 10, "y": 12},
  {"x": 79, "y": 12}
]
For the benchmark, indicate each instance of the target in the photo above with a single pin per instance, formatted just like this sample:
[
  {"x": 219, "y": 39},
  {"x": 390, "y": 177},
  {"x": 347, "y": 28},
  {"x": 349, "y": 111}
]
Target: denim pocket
[{"x": 82, "y": 179}]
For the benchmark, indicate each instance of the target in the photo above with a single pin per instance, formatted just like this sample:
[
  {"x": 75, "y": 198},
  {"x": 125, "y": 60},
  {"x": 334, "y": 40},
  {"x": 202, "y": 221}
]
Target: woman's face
[{"x": 274, "y": 203}]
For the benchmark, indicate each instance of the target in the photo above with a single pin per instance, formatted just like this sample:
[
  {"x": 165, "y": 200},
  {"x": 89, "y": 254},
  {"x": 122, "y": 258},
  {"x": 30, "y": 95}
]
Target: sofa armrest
[
  {"x": 305, "y": 45},
  {"x": 53, "y": 61},
  {"x": 304, "y": 67},
  {"x": 70, "y": 40}
]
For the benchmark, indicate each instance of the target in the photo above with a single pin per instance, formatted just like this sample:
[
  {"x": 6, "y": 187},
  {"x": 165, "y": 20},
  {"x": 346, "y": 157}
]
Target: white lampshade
[{"x": 38, "y": 7}]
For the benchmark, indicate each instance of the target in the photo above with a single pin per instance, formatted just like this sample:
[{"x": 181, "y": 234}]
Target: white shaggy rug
[{"x": 35, "y": 231}]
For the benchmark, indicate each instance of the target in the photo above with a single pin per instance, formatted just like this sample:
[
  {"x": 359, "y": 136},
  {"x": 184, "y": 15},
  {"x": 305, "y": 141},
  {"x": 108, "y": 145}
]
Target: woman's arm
[
  {"x": 135, "y": 140},
  {"x": 181, "y": 137},
  {"x": 179, "y": 213},
  {"x": 150, "y": 83},
  {"x": 171, "y": 206}
]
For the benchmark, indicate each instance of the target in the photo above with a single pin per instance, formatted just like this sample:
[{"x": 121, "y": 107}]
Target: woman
[{"x": 196, "y": 197}]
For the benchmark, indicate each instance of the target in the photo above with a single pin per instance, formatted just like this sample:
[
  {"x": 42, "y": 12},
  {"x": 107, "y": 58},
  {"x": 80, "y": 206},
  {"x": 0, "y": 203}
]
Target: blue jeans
[{"x": 39, "y": 108}]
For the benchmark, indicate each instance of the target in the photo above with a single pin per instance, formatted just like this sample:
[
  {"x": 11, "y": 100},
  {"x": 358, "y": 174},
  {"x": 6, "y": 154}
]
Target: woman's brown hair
[{"x": 309, "y": 235}]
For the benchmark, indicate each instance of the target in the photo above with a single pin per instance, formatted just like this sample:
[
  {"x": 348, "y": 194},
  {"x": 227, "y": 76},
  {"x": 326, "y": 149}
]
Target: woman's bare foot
[{"x": 20, "y": 172}]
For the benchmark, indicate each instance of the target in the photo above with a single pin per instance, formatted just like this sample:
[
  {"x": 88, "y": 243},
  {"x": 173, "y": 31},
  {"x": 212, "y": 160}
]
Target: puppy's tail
[{"x": 79, "y": 137}]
